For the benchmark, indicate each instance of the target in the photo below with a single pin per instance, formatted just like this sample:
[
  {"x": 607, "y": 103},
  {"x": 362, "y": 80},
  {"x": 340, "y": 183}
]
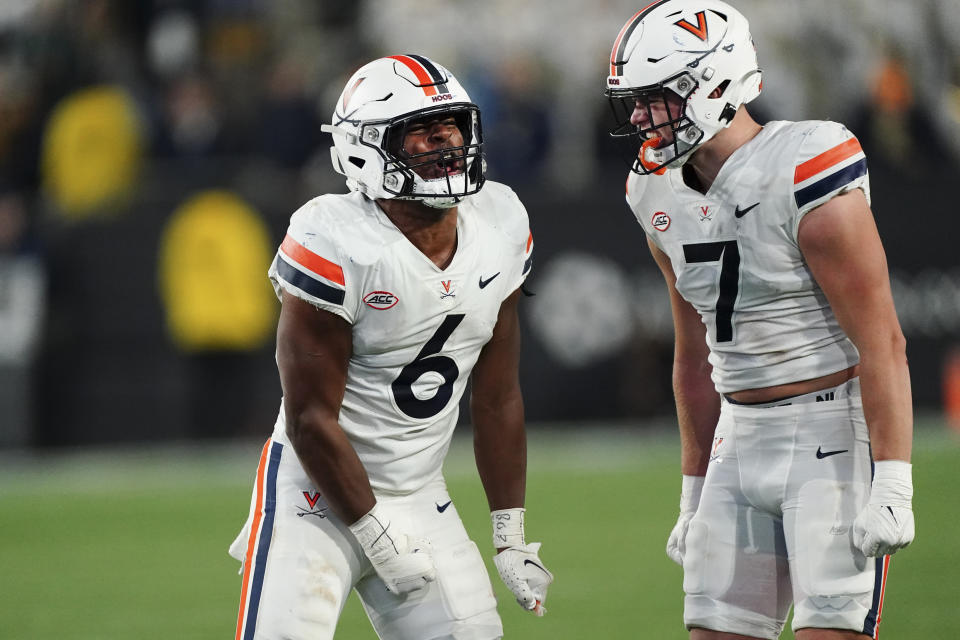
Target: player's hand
[
  {"x": 886, "y": 523},
  {"x": 524, "y": 573},
  {"x": 689, "y": 500},
  {"x": 404, "y": 564}
]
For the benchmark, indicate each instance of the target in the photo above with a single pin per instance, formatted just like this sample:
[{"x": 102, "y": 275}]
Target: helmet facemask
[
  {"x": 441, "y": 178},
  {"x": 669, "y": 133},
  {"x": 377, "y": 108}
]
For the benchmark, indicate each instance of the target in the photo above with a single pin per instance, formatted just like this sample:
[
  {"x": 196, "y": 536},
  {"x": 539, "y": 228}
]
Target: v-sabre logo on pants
[{"x": 312, "y": 498}]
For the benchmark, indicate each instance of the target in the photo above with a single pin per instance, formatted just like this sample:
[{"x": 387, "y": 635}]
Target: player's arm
[
  {"x": 500, "y": 448},
  {"x": 313, "y": 351},
  {"x": 698, "y": 405},
  {"x": 496, "y": 407},
  {"x": 840, "y": 243}
]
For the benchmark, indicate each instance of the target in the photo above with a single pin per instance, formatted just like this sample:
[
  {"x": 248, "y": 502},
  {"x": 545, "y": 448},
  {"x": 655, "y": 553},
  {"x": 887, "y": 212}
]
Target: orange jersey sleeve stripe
[
  {"x": 318, "y": 264},
  {"x": 418, "y": 71},
  {"x": 827, "y": 159},
  {"x": 529, "y": 242},
  {"x": 252, "y": 541}
]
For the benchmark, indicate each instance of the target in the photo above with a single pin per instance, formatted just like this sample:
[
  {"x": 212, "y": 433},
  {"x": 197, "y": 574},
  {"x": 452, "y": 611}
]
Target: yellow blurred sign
[
  {"x": 214, "y": 256},
  {"x": 91, "y": 151}
]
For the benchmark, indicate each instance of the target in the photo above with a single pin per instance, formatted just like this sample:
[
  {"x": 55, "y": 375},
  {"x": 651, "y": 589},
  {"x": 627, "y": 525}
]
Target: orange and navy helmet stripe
[
  {"x": 431, "y": 79},
  {"x": 261, "y": 533},
  {"x": 528, "y": 254},
  {"x": 620, "y": 44}
]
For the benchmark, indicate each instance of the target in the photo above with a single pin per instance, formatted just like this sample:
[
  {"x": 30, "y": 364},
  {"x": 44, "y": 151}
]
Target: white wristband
[
  {"x": 507, "y": 528},
  {"x": 690, "y": 490},
  {"x": 892, "y": 483},
  {"x": 372, "y": 532}
]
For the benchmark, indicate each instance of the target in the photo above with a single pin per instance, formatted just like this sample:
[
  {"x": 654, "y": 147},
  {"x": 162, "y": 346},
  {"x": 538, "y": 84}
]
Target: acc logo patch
[
  {"x": 380, "y": 300},
  {"x": 660, "y": 221}
]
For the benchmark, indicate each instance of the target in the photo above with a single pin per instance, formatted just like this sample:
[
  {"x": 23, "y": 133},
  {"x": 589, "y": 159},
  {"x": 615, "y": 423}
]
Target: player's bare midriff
[{"x": 769, "y": 394}]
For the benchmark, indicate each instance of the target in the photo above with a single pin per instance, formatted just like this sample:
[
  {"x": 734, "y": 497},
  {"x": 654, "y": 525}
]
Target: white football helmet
[
  {"x": 692, "y": 48},
  {"x": 377, "y": 105}
]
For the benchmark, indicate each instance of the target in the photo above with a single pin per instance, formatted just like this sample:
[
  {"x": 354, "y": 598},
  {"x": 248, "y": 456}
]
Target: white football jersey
[
  {"x": 735, "y": 253},
  {"x": 417, "y": 330}
]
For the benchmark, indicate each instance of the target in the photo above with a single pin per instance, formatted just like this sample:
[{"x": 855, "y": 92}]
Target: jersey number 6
[
  {"x": 728, "y": 254},
  {"x": 428, "y": 360}
]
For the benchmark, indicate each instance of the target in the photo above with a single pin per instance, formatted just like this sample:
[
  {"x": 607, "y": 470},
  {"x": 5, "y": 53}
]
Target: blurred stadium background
[{"x": 151, "y": 153}]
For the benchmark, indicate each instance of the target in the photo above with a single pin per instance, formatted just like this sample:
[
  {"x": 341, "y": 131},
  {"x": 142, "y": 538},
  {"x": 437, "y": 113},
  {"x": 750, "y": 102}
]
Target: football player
[
  {"x": 392, "y": 297},
  {"x": 790, "y": 374}
]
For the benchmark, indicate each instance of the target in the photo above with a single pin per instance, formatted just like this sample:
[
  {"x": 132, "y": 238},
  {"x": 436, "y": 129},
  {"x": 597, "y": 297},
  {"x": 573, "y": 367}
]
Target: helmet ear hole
[
  {"x": 720, "y": 90},
  {"x": 357, "y": 162}
]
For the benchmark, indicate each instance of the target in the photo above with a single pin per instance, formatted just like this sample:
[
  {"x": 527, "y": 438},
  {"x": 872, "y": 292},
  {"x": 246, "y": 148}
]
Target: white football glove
[
  {"x": 522, "y": 570},
  {"x": 519, "y": 564},
  {"x": 403, "y": 563},
  {"x": 886, "y": 523},
  {"x": 690, "y": 490}
]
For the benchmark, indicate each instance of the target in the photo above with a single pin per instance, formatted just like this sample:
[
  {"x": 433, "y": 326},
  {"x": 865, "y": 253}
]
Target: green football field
[{"x": 131, "y": 543}]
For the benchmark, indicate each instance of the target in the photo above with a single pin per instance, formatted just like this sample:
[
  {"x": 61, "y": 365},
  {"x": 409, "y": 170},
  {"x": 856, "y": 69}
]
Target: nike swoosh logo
[
  {"x": 526, "y": 562},
  {"x": 826, "y": 454},
  {"x": 443, "y": 507},
  {"x": 484, "y": 283},
  {"x": 738, "y": 212}
]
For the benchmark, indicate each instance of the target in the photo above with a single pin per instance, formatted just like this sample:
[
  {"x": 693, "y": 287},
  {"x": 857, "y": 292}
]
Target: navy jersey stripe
[
  {"x": 438, "y": 78},
  {"x": 870, "y": 622},
  {"x": 312, "y": 286},
  {"x": 527, "y": 265},
  {"x": 266, "y": 533},
  {"x": 831, "y": 183}
]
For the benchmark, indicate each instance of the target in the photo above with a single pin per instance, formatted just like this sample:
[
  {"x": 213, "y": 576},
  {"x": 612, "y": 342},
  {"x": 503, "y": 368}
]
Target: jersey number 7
[
  {"x": 728, "y": 254},
  {"x": 429, "y": 360}
]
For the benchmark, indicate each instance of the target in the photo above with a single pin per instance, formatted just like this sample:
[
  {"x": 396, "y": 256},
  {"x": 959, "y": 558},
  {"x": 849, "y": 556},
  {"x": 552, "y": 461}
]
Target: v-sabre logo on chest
[
  {"x": 704, "y": 212},
  {"x": 446, "y": 289}
]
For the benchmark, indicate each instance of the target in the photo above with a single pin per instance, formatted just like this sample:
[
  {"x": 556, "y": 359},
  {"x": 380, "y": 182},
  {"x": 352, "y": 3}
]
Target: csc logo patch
[{"x": 381, "y": 300}]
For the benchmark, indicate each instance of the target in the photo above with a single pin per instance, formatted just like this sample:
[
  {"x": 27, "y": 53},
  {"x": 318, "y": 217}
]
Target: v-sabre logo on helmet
[{"x": 700, "y": 30}]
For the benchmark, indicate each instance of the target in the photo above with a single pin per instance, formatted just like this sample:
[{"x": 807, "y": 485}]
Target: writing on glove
[{"x": 404, "y": 564}]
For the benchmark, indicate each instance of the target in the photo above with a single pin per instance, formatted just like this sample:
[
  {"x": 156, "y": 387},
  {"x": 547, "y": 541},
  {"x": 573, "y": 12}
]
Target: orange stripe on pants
[{"x": 252, "y": 542}]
